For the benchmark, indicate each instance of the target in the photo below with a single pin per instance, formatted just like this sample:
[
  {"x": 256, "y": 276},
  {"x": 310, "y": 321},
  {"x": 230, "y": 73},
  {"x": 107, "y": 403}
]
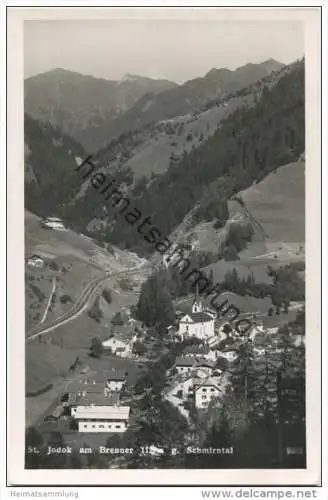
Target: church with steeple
[{"x": 199, "y": 322}]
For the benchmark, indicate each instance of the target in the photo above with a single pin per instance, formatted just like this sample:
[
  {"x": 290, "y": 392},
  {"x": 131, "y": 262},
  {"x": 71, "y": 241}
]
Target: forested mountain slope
[
  {"x": 80, "y": 104},
  {"x": 94, "y": 111},
  {"x": 151, "y": 149},
  {"x": 193, "y": 94},
  {"x": 250, "y": 143},
  {"x": 50, "y": 159},
  {"x": 256, "y": 132}
]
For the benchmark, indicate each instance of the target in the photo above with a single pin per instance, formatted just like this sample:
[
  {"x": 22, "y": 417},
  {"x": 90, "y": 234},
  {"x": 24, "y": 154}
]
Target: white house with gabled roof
[
  {"x": 184, "y": 364},
  {"x": 205, "y": 367},
  {"x": 201, "y": 351},
  {"x": 119, "y": 347},
  {"x": 115, "y": 380},
  {"x": 206, "y": 392}
]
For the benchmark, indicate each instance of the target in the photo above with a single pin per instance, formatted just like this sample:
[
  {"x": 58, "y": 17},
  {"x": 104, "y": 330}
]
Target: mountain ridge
[
  {"x": 76, "y": 103},
  {"x": 94, "y": 111}
]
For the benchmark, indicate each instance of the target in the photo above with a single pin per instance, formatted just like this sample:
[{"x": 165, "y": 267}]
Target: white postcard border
[{"x": 17, "y": 475}]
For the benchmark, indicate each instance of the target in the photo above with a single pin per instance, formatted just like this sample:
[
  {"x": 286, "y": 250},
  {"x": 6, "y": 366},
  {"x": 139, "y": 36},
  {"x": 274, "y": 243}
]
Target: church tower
[{"x": 197, "y": 304}]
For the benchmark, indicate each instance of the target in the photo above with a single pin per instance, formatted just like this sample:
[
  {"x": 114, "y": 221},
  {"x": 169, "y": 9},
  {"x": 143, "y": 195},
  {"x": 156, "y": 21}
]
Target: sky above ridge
[{"x": 175, "y": 49}]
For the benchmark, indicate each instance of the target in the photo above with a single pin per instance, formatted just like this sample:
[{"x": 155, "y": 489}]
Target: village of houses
[
  {"x": 104, "y": 403},
  {"x": 101, "y": 401}
]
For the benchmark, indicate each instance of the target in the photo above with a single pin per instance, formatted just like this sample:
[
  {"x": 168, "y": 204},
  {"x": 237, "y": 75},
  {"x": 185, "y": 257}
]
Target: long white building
[
  {"x": 105, "y": 418},
  {"x": 100, "y": 413}
]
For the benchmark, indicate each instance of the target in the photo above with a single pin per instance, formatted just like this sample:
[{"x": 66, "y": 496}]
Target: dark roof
[
  {"x": 116, "y": 340},
  {"x": 116, "y": 375},
  {"x": 200, "y": 317},
  {"x": 225, "y": 343},
  {"x": 98, "y": 400},
  {"x": 181, "y": 361},
  {"x": 230, "y": 349},
  {"x": 211, "y": 311},
  {"x": 210, "y": 382},
  {"x": 206, "y": 362},
  {"x": 90, "y": 387},
  {"x": 52, "y": 219},
  {"x": 221, "y": 363},
  {"x": 261, "y": 339},
  {"x": 196, "y": 349}
]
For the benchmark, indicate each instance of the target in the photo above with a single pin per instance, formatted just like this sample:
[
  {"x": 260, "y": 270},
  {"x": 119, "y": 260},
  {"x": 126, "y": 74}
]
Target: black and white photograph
[{"x": 166, "y": 274}]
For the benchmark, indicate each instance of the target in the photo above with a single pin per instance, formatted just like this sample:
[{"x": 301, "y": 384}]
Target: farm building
[
  {"x": 115, "y": 380},
  {"x": 53, "y": 223},
  {"x": 205, "y": 367},
  {"x": 98, "y": 413},
  {"x": 80, "y": 389},
  {"x": 122, "y": 348},
  {"x": 205, "y": 392},
  {"x": 184, "y": 364},
  {"x": 35, "y": 261}
]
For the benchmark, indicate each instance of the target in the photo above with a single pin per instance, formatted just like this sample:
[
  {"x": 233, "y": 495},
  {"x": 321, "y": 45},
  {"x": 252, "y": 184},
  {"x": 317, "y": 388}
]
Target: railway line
[{"x": 88, "y": 294}]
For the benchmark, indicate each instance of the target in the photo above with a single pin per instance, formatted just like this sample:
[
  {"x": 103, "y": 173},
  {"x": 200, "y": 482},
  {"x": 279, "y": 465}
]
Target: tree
[
  {"x": 219, "y": 436},
  {"x": 125, "y": 285},
  {"x": 255, "y": 447},
  {"x": 95, "y": 311},
  {"x": 55, "y": 439},
  {"x": 287, "y": 285},
  {"x": 266, "y": 406},
  {"x": 286, "y": 307},
  {"x": 53, "y": 265},
  {"x": 75, "y": 461},
  {"x": 117, "y": 319},
  {"x": 96, "y": 349},
  {"x": 155, "y": 304},
  {"x": 232, "y": 281},
  {"x": 107, "y": 294},
  {"x": 239, "y": 235},
  {"x": 139, "y": 349},
  {"x": 74, "y": 365},
  {"x": 65, "y": 298},
  {"x": 227, "y": 328},
  {"x": 210, "y": 275},
  {"x": 33, "y": 437},
  {"x": 243, "y": 373},
  {"x": 214, "y": 205},
  {"x": 161, "y": 423},
  {"x": 231, "y": 253},
  {"x": 96, "y": 461}
]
